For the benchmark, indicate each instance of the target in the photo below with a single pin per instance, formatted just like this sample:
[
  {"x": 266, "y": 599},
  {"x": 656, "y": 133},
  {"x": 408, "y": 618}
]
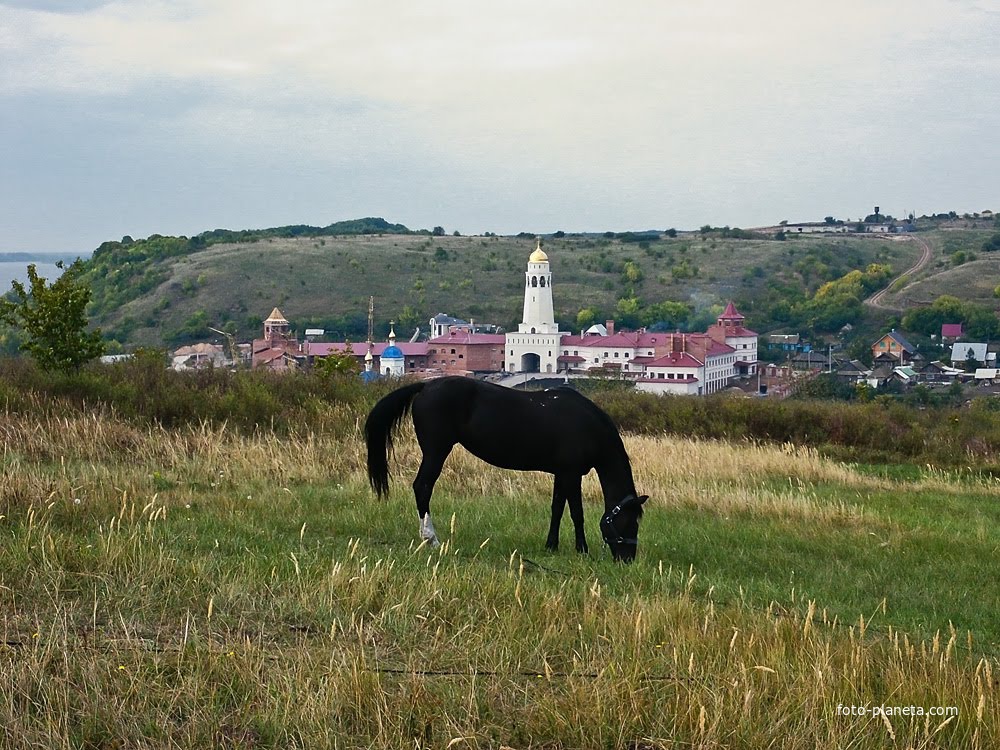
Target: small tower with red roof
[{"x": 729, "y": 330}]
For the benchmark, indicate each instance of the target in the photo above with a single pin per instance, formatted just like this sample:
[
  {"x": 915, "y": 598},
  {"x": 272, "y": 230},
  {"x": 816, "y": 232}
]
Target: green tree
[
  {"x": 408, "y": 318},
  {"x": 586, "y": 318},
  {"x": 53, "y": 320},
  {"x": 992, "y": 244},
  {"x": 336, "y": 363},
  {"x": 631, "y": 273},
  {"x": 627, "y": 311},
  {"x": 666, "y": 315}
]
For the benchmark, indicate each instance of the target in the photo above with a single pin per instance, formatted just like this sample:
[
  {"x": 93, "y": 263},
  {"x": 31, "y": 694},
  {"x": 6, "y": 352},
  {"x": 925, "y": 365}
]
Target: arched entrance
[{"x": 530, "y": 363}]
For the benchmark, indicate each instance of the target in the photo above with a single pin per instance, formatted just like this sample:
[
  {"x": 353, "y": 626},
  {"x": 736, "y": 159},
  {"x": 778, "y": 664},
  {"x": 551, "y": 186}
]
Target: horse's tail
[{"x": 382, "y": 421}]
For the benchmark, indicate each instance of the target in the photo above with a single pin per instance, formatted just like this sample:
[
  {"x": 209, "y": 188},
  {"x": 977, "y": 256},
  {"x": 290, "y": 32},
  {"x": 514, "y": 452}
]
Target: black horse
[{"x": 557, "y": 431}]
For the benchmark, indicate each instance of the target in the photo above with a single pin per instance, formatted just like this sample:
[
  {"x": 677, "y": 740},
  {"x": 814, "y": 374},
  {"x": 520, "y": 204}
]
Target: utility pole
[{"x": 369, "y": 357}]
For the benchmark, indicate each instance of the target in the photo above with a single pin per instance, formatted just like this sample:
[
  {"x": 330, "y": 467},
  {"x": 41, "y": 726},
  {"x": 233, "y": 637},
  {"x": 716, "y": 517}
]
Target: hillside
[
  {"x": 959, "y": 268},
  {"x": 171, "y": 292}
]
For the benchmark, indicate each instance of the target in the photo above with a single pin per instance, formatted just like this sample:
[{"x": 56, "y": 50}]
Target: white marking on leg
[{"x": 427, "y": 531}]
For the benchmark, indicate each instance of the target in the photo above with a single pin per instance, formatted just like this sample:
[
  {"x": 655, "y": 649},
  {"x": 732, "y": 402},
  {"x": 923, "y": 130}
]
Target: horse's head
[{"x": 620, "y": 527}]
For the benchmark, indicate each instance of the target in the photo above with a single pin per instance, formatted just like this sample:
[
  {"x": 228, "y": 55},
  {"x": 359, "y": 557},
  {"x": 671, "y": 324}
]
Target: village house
[
  {"x": 786, "y": 342},
  {"x": 964, "y": 351},
  {"x": 893, "y": 349},
  {"x": 951, "y": 332},
  {"x": 199, "y": 356}
]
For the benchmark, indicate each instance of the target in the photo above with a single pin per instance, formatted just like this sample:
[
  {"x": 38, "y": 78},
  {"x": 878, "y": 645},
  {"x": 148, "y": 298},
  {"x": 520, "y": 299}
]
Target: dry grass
[{"x": 214, "y": 590}]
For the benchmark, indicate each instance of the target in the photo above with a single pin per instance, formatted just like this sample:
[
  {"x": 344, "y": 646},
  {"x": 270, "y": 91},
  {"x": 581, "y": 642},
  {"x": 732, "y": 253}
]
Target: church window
[
  {"x": 532, "y": 330},
  {"x": 541, "y": 281},
  {"x": 534, "y": 281}
]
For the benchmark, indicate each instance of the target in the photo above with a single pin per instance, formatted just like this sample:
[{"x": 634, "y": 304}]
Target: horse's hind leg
[
  {"x": 423, "y": 486},
  {"x": 574, "y": 496}
]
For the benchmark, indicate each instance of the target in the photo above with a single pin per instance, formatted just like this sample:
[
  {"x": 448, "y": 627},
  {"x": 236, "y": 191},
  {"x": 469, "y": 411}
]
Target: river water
[{"x": 18, "y": 270}]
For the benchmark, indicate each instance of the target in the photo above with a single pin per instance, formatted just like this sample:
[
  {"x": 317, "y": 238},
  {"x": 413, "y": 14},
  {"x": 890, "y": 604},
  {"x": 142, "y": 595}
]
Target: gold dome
[{"x": 538, "y": 256}]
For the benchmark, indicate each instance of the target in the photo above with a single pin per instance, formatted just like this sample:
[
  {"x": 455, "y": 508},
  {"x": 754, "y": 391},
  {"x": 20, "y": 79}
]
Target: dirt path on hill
[{"x": 877, "y": 299}]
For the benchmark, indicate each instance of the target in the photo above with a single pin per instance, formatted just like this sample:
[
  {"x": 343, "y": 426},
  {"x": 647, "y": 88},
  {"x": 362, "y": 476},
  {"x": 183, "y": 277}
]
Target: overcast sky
[{"x": 140, "y": 116}]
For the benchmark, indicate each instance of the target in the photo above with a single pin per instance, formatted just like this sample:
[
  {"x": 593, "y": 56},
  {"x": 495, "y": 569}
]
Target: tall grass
[{"x": 205, "y": 585}]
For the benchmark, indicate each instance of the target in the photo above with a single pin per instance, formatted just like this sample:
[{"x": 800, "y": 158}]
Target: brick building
[{"x": 460, "y": 351}]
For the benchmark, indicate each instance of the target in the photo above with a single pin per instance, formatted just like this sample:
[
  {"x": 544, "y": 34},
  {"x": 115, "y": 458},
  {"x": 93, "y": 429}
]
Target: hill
[
  {"x": 166, "y": 290},
  {"x": 960, "y": 268}
]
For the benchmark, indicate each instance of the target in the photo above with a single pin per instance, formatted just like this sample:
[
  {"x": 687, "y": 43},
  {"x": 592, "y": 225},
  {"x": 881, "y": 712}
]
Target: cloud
[{"x": 649, "y": 113}]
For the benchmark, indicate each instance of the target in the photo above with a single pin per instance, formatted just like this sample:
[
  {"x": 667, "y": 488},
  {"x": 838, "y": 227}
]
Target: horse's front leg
[
  {"x": 574, "y": 496},
  {"x": 558, "y": 505}
]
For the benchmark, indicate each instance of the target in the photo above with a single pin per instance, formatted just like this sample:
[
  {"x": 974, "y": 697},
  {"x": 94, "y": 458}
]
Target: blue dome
[{"x": 392, "y": 352}]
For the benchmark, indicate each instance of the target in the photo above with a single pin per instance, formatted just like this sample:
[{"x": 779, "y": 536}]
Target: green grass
[{"x": 212, "y": 589}]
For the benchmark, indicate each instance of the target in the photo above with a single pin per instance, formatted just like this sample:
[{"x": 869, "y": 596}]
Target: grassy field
[
  {"x": 321, "y": 279},
  {"x": 197, "y": 587}
]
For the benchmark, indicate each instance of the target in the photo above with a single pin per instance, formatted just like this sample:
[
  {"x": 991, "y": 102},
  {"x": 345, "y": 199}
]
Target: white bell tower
[
  {"x": 538, "y": 316},
  {"x": 535, "y": 346}
]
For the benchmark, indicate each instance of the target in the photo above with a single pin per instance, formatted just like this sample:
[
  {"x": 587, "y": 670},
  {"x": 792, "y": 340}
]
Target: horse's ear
[{"x": 643, "y": 499}]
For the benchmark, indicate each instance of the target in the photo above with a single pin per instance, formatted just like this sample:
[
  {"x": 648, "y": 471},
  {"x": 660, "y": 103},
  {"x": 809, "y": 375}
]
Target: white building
[
  {"x": 534, "y": 347},
  {"x": 678, "y": 373}
]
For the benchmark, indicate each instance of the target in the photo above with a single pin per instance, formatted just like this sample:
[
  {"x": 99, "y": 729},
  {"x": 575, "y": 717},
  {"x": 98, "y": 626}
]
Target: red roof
[
  {"x": 464, "y": 337},
  {"x": 570, "y": 358},
  {"x": 951, "y": 330},
  {"x": 268, "y": 355},
  {"x": 712, "y": 347},
  {"x": 675, "y": 359},
  {"x": 731, "y": 313},
  {"x": 360, "y": 348},
  {"x": 738, "y": 331},
  {"x": 622, "y": 340}
]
